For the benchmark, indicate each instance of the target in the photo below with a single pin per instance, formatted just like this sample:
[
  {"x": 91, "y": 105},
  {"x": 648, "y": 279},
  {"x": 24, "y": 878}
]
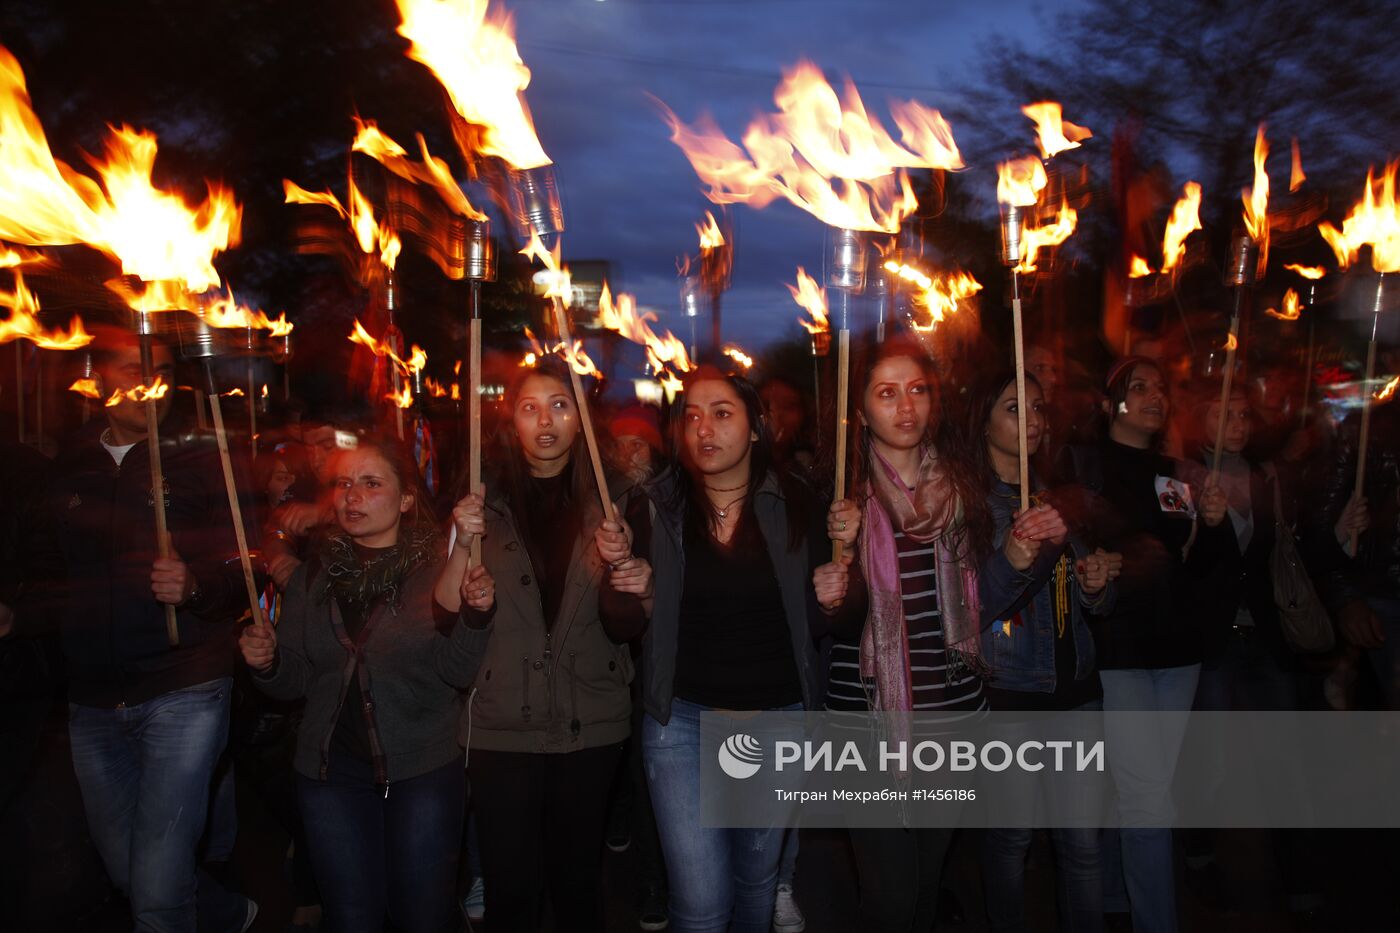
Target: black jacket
[{"x": 113, "y": 628}]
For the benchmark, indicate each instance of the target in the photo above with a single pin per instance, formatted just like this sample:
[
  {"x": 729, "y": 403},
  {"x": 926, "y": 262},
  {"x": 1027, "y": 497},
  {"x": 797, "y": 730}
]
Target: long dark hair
[
  {"x": 512, "y": 472},
  {"x": 981, "y": 400},
  {"x": 690, "y": 494},
  {"x": 941, "y": 433}
]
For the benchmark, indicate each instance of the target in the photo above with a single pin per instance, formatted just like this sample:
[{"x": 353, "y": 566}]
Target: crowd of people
[{"x": 455, "y": 704}]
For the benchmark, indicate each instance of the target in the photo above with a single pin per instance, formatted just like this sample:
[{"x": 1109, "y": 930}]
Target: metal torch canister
[
  {"x": 198, "y": 341},
  {"x": 1013, "y": 222},
  {"x": 880, "y": 288},
  {"x": 535, "y": 199},
  {"x": 479, "y": 251},
  {"x": 692, "y": 296},
  {"x": 1243, "y": 266},
  {"x": 848, "y": 257}
]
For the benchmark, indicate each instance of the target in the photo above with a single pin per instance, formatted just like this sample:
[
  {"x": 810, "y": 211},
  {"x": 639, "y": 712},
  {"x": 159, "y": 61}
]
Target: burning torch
[
  {"x": 1017, "y": 187},
  {"x": 200, "y": 341},
  {"x": 847, "y": 256},
  {"x": 479, "y": 254}
]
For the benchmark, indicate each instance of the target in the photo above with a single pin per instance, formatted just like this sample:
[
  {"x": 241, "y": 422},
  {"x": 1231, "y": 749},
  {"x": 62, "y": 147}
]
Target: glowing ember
[
  {"x": 1256, "y": 200},
  {"x": 1186, "y": 217},
  {"x": 1053, "y": 133},
  {"x": 821, "y": 152},
  {"x": 1373, "y": 221},
  {"x": 472, "y": 52},
  {"x": 432, "y": 171},
  {"x": 739, "y": 356},
  {"x": 1138, "y": 267},
  {"x": 23, "y": 322},
  {"x": 811, "y": 297},
  {"x": 154, "y": 234},
  {"x": 1292, "y": 307},
  {"x": 1020, "y": 180},
  {"x": 1034, "y": 239},
  {"x": 710, "y": 235},
  {"x": 939, "y": 294},
  {"x": 140, "y": 393},
  {"x": 1296, "y": 176},
  {"x": 86, "y": 388},
  {"x": 369, "y": 233},
  {"x": 1308, "y": 272},
  {"x": 1387, "y": 390}
]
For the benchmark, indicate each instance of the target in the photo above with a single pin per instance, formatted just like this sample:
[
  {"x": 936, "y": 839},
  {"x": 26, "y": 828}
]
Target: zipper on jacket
[
  {"x": 574, "y": 725},
  {"x": 525, "y": 687}
]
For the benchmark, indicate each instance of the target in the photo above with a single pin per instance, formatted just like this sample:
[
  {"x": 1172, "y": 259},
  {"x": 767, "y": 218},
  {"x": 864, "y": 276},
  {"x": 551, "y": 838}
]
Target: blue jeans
[
  {"x": 1079, "y": 882},
  {"x": 375, "y": 853},
  {"x": 144, "y": 772},
  {"x": 720, "y": 879},
  {"x": 1137, "y": 859}
]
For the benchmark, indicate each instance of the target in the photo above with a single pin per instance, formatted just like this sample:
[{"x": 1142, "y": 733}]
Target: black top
[
  {"x": 550, "y": 527},
  {"x": 734, "y": 649}
]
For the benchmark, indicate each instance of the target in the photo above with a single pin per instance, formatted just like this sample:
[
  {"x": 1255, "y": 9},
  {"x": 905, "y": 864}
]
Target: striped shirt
[{"x": 928, "y": 663}]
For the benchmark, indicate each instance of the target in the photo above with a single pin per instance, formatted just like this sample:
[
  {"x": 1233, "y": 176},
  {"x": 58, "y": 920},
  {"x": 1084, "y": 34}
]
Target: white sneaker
[{"x": 787, "y": 916}]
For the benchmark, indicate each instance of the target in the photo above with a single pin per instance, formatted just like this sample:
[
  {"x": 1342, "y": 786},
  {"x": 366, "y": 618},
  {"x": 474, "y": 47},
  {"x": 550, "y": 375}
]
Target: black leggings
[
  {"x": 899, "y": 873},
  {"x": 540, "y": 821}
]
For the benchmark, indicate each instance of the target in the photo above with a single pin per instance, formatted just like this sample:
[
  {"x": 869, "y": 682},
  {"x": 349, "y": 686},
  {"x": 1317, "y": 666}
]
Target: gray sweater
[{"x": 415, "y": 674}]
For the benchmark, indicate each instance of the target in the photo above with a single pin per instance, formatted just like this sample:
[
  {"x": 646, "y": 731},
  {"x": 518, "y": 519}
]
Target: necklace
[
  {"x": 730, "y": 489},
  {"x": 724, "y": 512}
]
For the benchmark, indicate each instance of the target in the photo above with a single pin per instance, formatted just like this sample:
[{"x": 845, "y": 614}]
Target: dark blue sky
[{"x": 630, "y": 195}]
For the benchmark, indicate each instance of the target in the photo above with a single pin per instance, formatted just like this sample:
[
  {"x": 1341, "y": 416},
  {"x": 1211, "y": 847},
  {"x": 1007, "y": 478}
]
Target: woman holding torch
[
  {"x": 1038, "y": 649},
  {"x": 548, "y": 714},
  {"x": 730, "y": 627},
  {"x": 1150, "y": 645},
  {"x": 380, "y": 662}
]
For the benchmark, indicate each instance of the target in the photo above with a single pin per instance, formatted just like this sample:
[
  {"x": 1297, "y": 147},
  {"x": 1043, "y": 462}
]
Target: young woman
[
  {"x": 548, "y": 714},
  {"x": 1038, "y": 648},
  {"x": 379, "y": 770},
  {"x": 729, "y": 628},
  {"x": 1149, "y": 646},
  {"x": 913, "y": 599}
]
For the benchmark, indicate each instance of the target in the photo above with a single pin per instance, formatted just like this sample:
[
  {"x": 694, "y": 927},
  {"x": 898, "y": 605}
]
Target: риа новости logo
[{"x": 740, "y": 756}]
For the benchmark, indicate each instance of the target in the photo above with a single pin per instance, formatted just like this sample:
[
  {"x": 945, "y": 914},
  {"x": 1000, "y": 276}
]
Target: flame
[
  {"x": 1308, "y": 272},
  {"x": 739, "y": 356},
  {"x": 1020, "y": 180},
  {"x": 435, "y": 388},
  {"x": 812, "y": 298},
  {"x": 576, "y": 358},
  {"x": 416, "y": 361},
  {"x": 1387, "y": 390},
  {"x": 140, "y": 393},
  {"x": 561, "y": 285},
  {"x": 264, "y": 390},
  {"x": 369, "y": 233},
  {"x": 433, "y": 172},
  {"x": 1292, "y": 307},
  {"x": 1138, "y": 267},
  {"x": 235, "y": 392},
  {"x": 1256, "y": 199},
  {"x": 670, "y": 384},
  {"x": 1033, "y": 239},
  {"x": 1186, "y": 217},
  {"x": 1053, "y": 133},
  {"x": 940, "y": 294},
  {"x": 709, "y": 232},
  {"x": 12, "y": 257},
  {"x": 473, "y": 55},
  {"x": 23, "y": 322},
  {"x": 1231, "y": 343},
  {"x": 1374, "y": 220},
  {"x": 814, "y": 140},
  {"x": 226, "y": 312},
  {"x": 1296, "y": 176},
  {"x": 86, "y": 388},
  {"x": 623, "y": 317},
  {"x": 403, "y": 398},
  {"x": 154, "y": 234}
]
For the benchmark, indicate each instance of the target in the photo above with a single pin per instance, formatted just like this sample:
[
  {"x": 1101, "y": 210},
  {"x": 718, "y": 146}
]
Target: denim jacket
[{"x": 1022, "y": 656}]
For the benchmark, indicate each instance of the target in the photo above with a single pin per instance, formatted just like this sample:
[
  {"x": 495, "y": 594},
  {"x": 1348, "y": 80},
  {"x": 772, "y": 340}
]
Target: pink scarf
[{"x": 931, "y": 514}]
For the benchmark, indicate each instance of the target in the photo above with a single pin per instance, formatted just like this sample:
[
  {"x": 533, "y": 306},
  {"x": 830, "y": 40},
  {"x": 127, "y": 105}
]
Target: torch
[
  {"x": 480, "y": 264},
  {"x": 1367, "y": 400},
  {"x": 538, "y": 212},
  {"x": 848, "y": 254},
  {"x": 716, "y": 270},
  {"x": 145, "y": 333},
  {"x": 199, "y": 341},
  {"x": 1239, "y": 275},
  {"x": 692, "y": 301},
  {"x": 1015, "y": 193}
]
